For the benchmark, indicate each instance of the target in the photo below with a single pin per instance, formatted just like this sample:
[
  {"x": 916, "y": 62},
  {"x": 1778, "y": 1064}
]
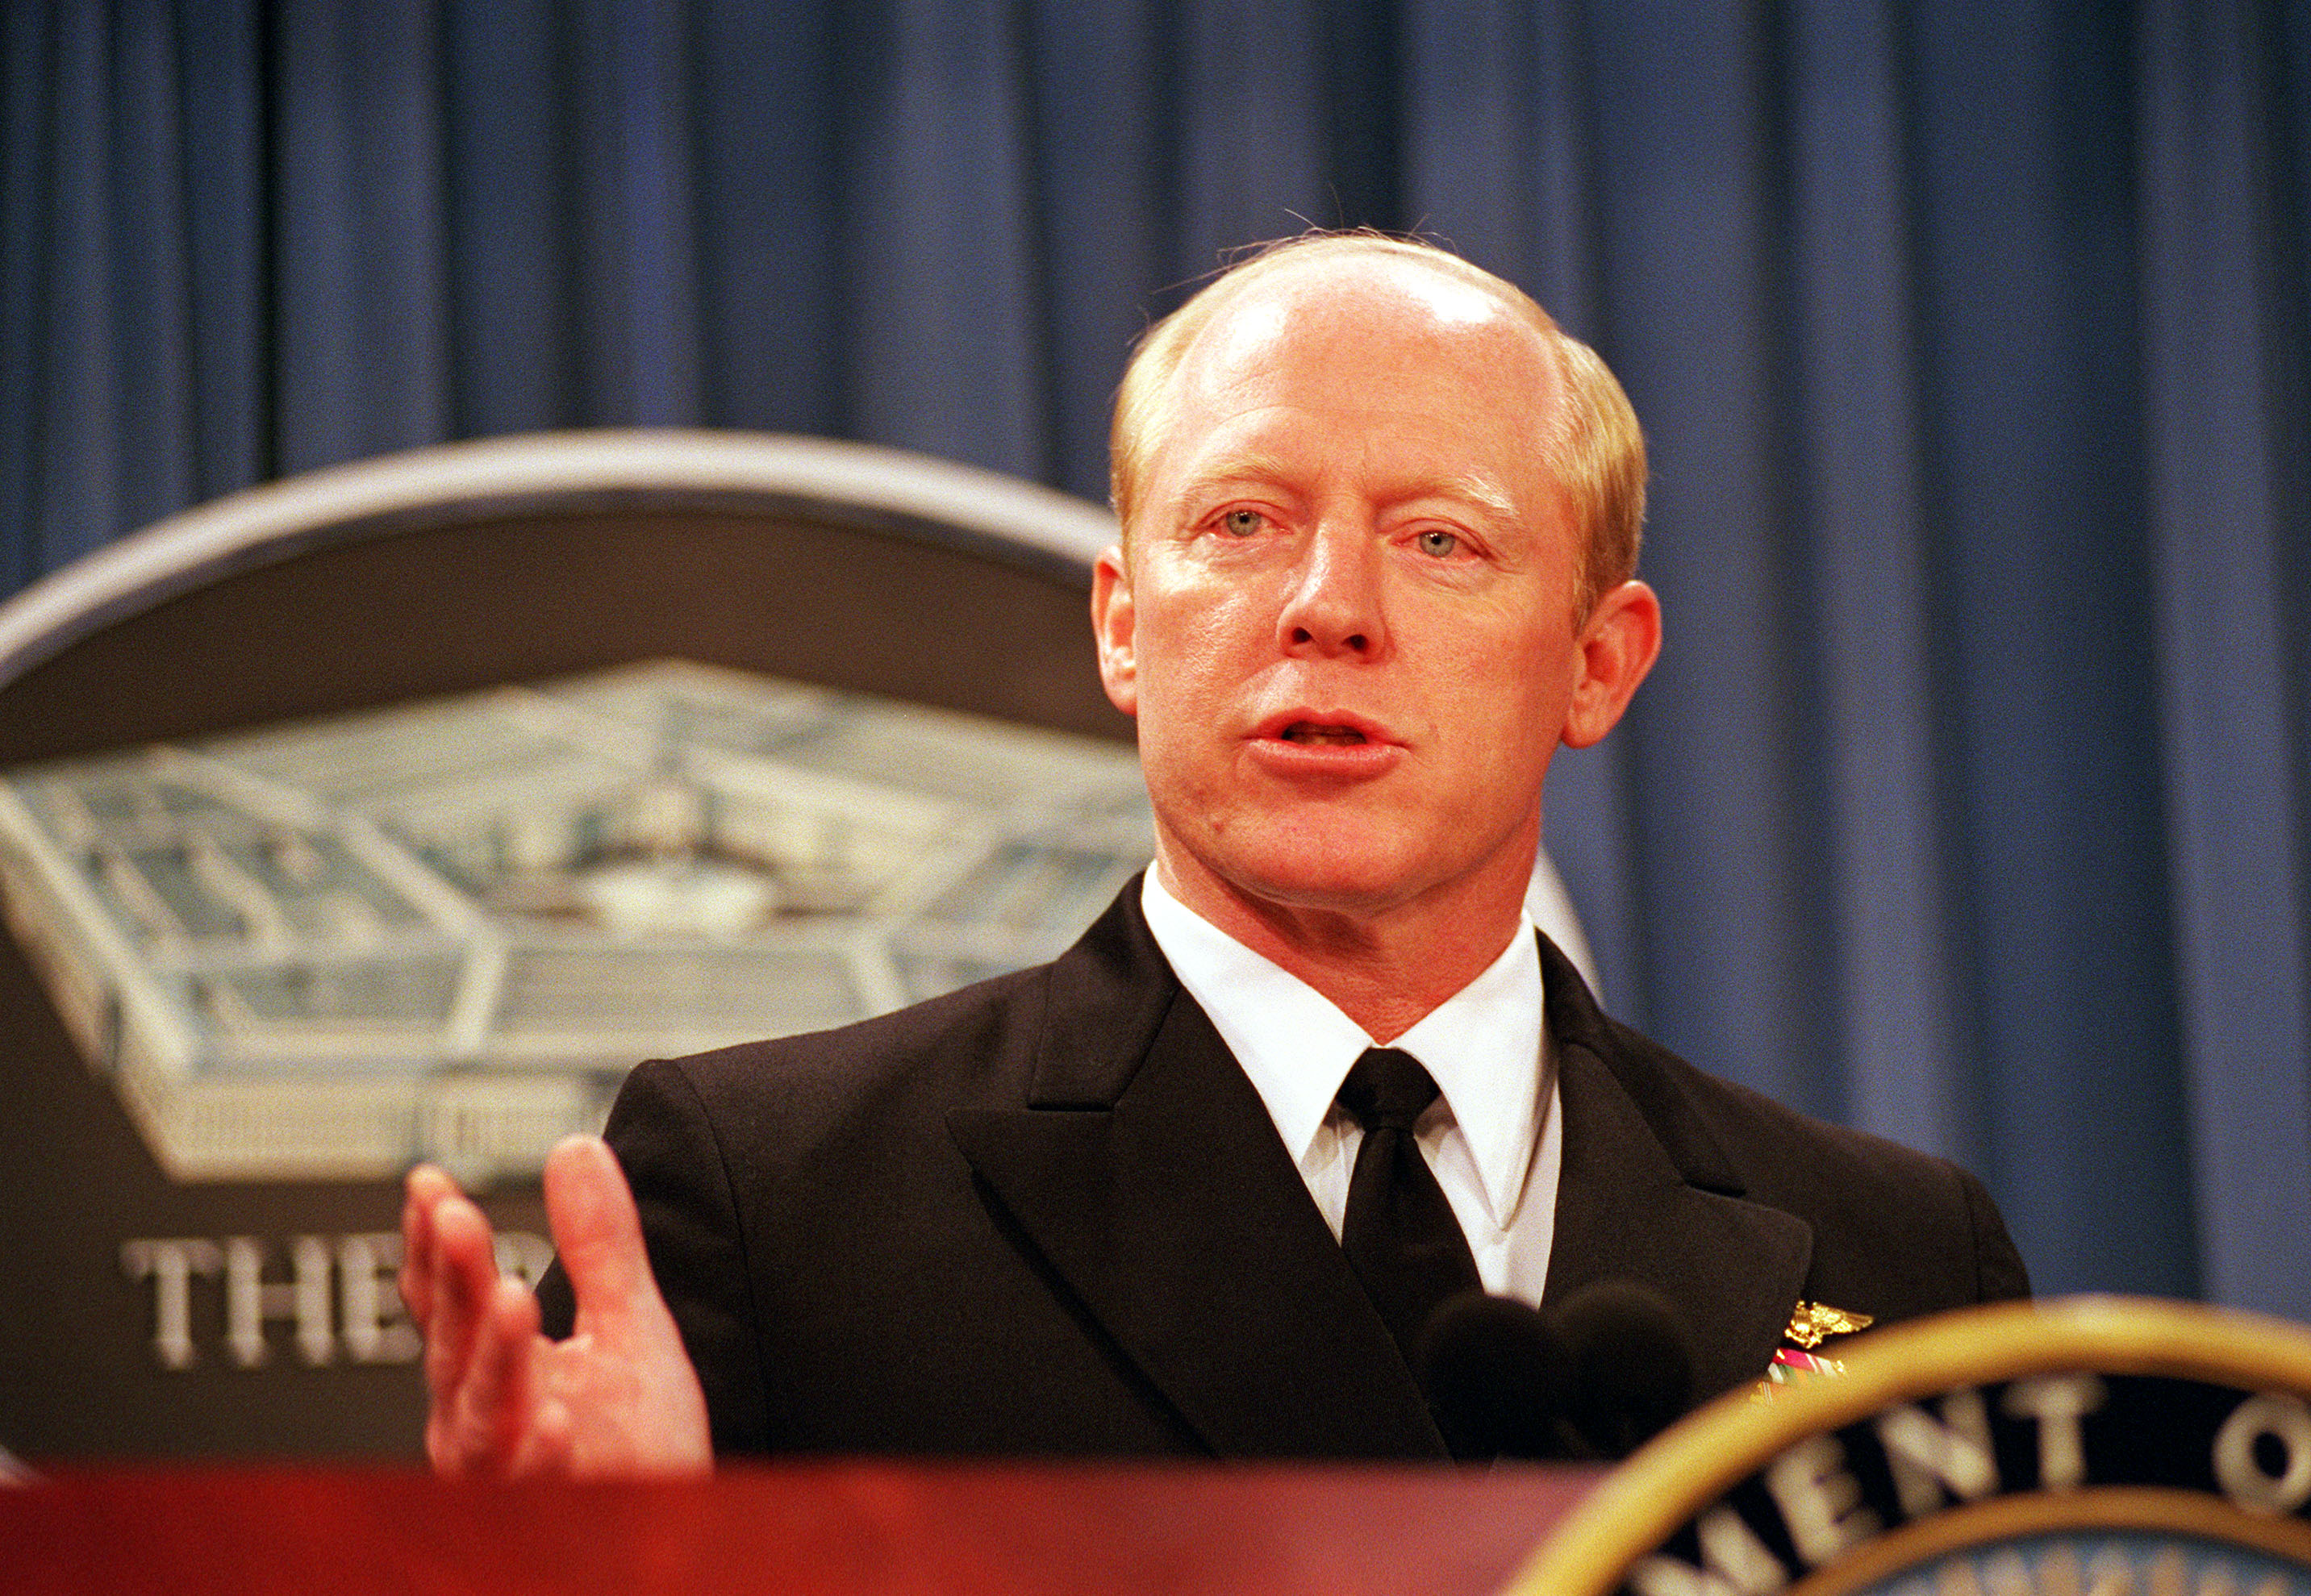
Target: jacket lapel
[
  {"x": 1146, "y": 1172},
  {"x": 1647, "y": 1195}
]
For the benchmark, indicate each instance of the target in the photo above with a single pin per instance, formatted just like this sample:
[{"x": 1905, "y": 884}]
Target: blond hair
[{"x": 1596, "y": 450}]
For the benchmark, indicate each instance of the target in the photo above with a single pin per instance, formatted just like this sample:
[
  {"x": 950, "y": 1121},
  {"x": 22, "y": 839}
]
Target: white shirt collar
[{"x": 1482, "y": 1044}]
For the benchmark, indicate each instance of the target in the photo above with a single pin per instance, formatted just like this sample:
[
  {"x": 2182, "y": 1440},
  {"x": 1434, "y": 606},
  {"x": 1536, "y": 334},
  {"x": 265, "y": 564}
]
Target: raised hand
[{"x": 618, "y": 1398}]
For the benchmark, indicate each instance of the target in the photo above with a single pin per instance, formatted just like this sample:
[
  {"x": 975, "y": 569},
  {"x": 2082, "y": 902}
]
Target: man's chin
[
  {"x": 1355, "y": 868},
  {"x": 1356, "y": 883}
]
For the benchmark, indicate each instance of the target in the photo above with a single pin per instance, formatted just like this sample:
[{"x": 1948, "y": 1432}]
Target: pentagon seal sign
[
  {"x": 2090, "y": 1446},
  {"x": 446, "y": 929}
]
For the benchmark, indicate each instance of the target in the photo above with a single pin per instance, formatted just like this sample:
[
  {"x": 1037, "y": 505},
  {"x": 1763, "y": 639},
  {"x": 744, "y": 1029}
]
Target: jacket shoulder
[
  {"x": 1759, "y": 1138},
  {"x": 1892, "y": 1224},
  {"x": 969, "y": 1041}
]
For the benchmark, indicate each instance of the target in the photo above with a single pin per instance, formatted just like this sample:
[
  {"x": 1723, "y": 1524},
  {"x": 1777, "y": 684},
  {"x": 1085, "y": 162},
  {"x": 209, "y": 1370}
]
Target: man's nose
[{"x": 1334, "y": 605}]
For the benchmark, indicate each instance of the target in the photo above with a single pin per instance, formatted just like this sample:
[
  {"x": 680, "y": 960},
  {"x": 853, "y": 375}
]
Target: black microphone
[
  {"x": 1629, "y": 1367},
  {"x": 1493, "y": 1369},
  {"x": 1589, "y": 1381}
]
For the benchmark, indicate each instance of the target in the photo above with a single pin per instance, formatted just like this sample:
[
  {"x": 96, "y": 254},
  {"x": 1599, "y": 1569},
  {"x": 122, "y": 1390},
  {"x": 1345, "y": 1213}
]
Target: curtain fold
[
  {"x": 2225, "y": 329},
  {"x": 1972, "y": 800}
]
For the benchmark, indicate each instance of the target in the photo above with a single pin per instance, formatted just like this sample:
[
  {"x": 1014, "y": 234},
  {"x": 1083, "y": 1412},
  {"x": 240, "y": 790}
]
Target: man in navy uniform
[{"x": 1195, "y": 1186}]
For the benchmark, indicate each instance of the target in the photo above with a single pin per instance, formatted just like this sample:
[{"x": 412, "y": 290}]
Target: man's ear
[
  {"x": 1618, "y": 646},
  {"x": 1113, "y": 620}
]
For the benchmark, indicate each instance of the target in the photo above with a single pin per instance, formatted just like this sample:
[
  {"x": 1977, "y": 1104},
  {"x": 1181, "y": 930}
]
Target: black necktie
[{"x": 1399, "y": 1233}]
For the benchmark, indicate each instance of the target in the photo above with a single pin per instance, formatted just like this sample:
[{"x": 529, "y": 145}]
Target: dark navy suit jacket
[{"x": 1049, "y": 1214}]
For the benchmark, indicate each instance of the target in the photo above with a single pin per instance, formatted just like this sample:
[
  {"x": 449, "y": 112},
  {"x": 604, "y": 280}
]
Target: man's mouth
[{"x": 1310, "y": 731}]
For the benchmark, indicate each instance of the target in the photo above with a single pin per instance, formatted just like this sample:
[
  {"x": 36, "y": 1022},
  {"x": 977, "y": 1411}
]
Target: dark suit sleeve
[
  {"x": 2000, "y": 1274},
  {"x": 673, "y": 1159}
]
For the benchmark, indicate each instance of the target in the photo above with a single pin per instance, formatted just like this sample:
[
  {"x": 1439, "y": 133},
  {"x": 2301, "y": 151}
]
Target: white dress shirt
[{"x": 1494, "y": 1136}]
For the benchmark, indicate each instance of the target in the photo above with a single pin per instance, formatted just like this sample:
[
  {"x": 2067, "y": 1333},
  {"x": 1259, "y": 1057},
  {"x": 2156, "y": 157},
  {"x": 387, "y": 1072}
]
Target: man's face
[{"x": 1347, "y": 627}]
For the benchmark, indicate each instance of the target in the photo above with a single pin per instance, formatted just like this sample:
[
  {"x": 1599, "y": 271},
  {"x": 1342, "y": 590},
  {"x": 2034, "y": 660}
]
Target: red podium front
[{"x": 817, "y": 1529}]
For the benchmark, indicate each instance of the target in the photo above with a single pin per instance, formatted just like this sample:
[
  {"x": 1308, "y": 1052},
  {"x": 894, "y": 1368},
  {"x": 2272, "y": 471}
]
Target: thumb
[{"x": 596, "y": 1230}]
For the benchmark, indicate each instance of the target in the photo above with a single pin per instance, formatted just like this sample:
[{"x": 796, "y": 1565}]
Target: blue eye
[
  {"x": 1437, "y": 544},
  {"x": 1240, "y": 523}
]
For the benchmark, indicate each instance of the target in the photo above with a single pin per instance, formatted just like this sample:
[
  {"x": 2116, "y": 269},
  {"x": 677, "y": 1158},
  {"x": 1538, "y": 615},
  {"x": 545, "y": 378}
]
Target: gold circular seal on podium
[{"x": 2092, "y": 1446}]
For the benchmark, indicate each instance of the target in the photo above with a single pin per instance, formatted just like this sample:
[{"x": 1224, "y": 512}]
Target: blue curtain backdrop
[{"x": 1972, "y": 800}]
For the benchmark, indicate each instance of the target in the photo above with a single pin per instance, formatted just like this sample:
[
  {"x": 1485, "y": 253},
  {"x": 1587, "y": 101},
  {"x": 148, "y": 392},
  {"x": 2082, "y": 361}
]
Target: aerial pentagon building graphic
[{"x": 445, "y": 931}]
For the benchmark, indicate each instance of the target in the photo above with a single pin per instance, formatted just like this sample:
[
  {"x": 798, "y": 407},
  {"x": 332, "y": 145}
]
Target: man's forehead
[
  {"x": 1348, "y": 292},
  {"x": 1357, "y": 338},
  {"x": 1352, "y": 335}
]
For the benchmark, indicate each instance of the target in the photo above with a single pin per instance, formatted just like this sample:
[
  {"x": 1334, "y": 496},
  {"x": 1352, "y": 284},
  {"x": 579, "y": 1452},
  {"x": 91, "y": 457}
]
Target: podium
[
  {"x": 833, "y": 1528},
  {"x": 2092, "y": 1447}
]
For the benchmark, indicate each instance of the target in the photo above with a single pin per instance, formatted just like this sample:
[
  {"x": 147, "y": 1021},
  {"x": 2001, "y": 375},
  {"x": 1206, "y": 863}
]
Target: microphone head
[
  {"x": 1628, "y": 1366},
  {"x": 1491, "y": 1367}
]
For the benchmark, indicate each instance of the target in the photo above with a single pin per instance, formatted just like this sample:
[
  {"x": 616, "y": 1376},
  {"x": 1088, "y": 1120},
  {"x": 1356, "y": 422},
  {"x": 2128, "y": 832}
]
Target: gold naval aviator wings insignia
[{"x": 1812, "y": 1323}]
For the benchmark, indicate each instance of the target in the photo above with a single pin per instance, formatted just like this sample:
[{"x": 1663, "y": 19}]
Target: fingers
[
  {"x": 424, "y": 1189},
  {"x": 490, "y": 1413},
  {"x": 619, "y": 1398},
  {"x": 596, "y": 1230},
  {"x": 492, "y": 1421},
  {"x": 494, "y": 1404},
  {"x": 459, "y": 1282}
]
